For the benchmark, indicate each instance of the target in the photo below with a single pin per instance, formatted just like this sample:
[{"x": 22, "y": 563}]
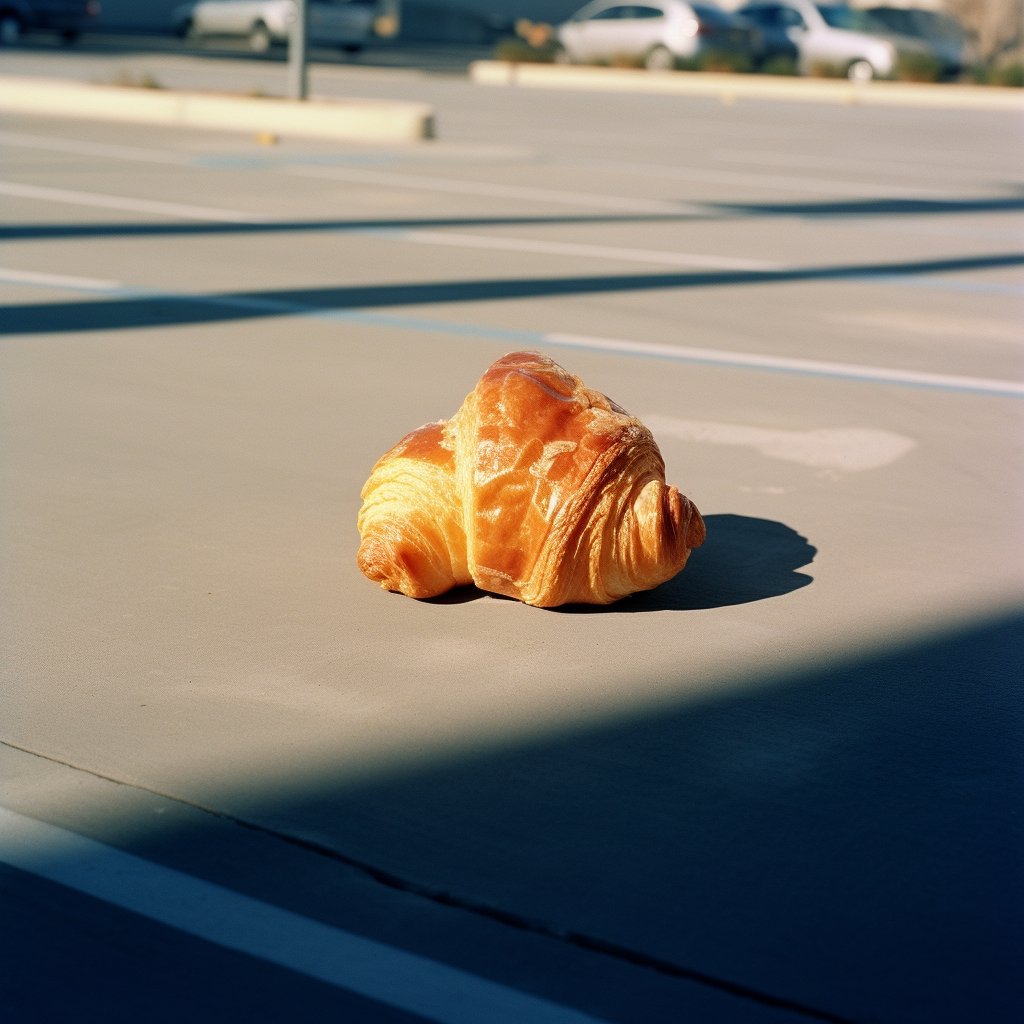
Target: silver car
[
  {"x": 344, "y": 23},
  {"x": 826, "y": 34},
  {"x": 655, "y": 33}
]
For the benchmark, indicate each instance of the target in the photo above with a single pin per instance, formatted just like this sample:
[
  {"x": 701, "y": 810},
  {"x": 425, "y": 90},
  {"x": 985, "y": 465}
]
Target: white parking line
[
  {"x": 32, "y": 277},
  {"x": 902, "y": 168},
  {"x": 814, "y": 367},
  {"x": 711, "y": 175},
  {"x": 60, "y": 195},
  {"x": 679, "y": 259},
  {"x": 708, "y": 356},
  {"x": 103, "y": 149},
  {"x": 607, "y": 252},
  {"x": 771, "y": 182},
  {"x": 490, "y": 190},
  {"x": 375, "y": 970}
]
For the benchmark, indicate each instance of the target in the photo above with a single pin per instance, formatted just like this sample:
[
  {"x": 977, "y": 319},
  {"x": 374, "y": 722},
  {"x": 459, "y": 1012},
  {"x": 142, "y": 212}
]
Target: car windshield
[
  {"x": 839, "y": 17},
  {"x": 710, "y": 15}
]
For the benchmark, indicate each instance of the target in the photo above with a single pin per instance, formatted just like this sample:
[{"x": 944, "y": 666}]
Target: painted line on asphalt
[
  {"x": 680, "y": 259},
  {"x": 607, "y": 252},
  {"x": 784, "y": 364},
  {"x": 103, "y": 149},
  {"x": 73, "y": 198},
  {"x": 33, "y": 277},
  {"x": 945, "y": 285},
  {"x": 373, "y": 969},
  {"x": 284, "y": 162},
  {"x": 770, "y": 182},
  {"x": 676, "y": 353},
  {"x": 205, "y": 213},
  {"x": 493, "y": 191},
  {"x": 869, "y": 165}
]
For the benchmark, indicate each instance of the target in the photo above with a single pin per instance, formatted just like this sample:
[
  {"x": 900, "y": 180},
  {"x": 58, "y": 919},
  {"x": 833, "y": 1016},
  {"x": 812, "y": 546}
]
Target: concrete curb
[
  {"x": 354, "y": 120},
  {"x": 730, "y": 88}
]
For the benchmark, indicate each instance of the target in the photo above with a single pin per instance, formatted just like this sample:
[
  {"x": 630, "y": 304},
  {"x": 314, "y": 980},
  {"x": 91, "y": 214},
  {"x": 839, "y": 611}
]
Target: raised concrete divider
[
  {"x": 730, "y": 88},
  {"x": 355, "y": 120}
]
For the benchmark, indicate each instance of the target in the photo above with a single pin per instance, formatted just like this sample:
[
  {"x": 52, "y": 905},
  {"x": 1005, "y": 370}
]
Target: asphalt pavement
[{"x": 784, "y": 786}]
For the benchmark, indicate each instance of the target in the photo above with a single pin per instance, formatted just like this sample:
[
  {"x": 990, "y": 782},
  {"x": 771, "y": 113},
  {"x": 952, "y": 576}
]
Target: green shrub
[
  {"x": 129, "y": 81},
  {"x": 1011, "y": 75},
  {"x": 720, "y": 61},
  {"x": 828, "y": 69},
  {"x": 626, "y": 60},
  {"x": 519, "y": 51},
  {"x": 724, "y": 61},
  {"x": 918, "y": 67},
  {"x": 780, "y": 64}
]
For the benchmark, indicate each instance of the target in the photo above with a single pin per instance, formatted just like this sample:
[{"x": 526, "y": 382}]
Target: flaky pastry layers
[{"x": 538, "y": 488}]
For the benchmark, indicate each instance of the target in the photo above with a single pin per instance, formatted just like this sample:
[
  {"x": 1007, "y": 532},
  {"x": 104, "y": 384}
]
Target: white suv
[{"x": 826, "y": 34}]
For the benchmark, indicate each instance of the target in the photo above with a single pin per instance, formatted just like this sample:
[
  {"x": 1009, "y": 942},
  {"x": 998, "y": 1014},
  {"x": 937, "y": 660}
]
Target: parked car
[
  {"x": 68, "y": 17},
  {"x": 826, "y": 35},
  {"x": 912, "y": 30},
  {"x": 656, "y": 33},
  {"x": 344, "y": 23}
]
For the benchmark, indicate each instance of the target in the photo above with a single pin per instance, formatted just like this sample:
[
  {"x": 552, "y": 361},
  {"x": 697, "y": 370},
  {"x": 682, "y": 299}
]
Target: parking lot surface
[{"x": 783, "y": 786}]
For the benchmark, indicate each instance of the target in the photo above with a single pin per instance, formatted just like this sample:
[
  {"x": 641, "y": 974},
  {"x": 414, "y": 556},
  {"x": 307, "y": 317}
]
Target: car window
[
  {"x": 790, "y": 18},
  {"x": 840, "y": 17},
  {"x": 711, "y": 15},
  {"x": 627, "y": 12},
  {"x": 933, "y": 25},
  {"x": 773, "y": 16},
  {"x": 889, "y": 19},
  {"x": 765, "y": 16}
]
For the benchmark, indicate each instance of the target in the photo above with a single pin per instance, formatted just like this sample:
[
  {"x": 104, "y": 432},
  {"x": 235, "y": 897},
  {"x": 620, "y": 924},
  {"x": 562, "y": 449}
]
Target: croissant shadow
[{"x": 744, "y": 559}]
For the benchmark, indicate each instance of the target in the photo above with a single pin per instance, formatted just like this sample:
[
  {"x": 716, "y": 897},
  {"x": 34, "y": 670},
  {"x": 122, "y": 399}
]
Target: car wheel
[
  {"x": 860, "y": 71},
  {"x": 70, "y": 35},
  {"x": 351, "y": 47},
  {"x": 10, "y": 30},
  {"x": 659, "y": 59},
  {"x": 259, "y": 39},
  {"x": 184, "y": 29}
]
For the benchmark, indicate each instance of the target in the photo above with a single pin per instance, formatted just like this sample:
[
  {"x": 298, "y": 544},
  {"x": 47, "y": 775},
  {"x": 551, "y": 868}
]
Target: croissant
[{"x": 538, "y": 488}]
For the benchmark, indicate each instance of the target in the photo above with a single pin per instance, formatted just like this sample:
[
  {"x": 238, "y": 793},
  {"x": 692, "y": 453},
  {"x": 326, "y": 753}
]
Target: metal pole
[{"x": 298, "y": 86}]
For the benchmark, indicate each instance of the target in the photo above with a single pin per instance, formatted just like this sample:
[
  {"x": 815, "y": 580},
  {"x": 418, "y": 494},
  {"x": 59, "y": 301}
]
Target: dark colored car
[
  {"x": 923, "y": 31},
  {"x": 723, "y": 32},
  {"x": 68, "y": 17},
  {"x": 774, "y": 22}
]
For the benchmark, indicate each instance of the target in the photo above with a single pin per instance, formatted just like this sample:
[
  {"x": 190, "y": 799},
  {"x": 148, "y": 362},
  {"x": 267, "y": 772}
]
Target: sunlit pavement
[{"x": 784, "y": 786}]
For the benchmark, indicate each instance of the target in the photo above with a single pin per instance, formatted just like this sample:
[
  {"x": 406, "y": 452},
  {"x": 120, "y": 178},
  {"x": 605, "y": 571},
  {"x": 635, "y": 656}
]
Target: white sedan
[
  {"x": 344, "y": 23},
  {"x": 606, "y": 29}
]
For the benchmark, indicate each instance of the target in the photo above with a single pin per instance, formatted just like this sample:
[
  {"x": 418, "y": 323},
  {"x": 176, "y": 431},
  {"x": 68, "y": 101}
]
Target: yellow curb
[
  {"x": 354, "y": 120},
  {"x": 729, "y": 88}
]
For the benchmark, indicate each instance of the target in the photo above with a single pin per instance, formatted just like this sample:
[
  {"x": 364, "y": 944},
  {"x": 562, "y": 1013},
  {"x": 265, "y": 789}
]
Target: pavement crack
[{"x": 590, "y": 943}]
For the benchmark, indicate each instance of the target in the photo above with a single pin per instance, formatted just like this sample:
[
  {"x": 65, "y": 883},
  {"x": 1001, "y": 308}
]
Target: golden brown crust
[{"x": 539, "y": 488}]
